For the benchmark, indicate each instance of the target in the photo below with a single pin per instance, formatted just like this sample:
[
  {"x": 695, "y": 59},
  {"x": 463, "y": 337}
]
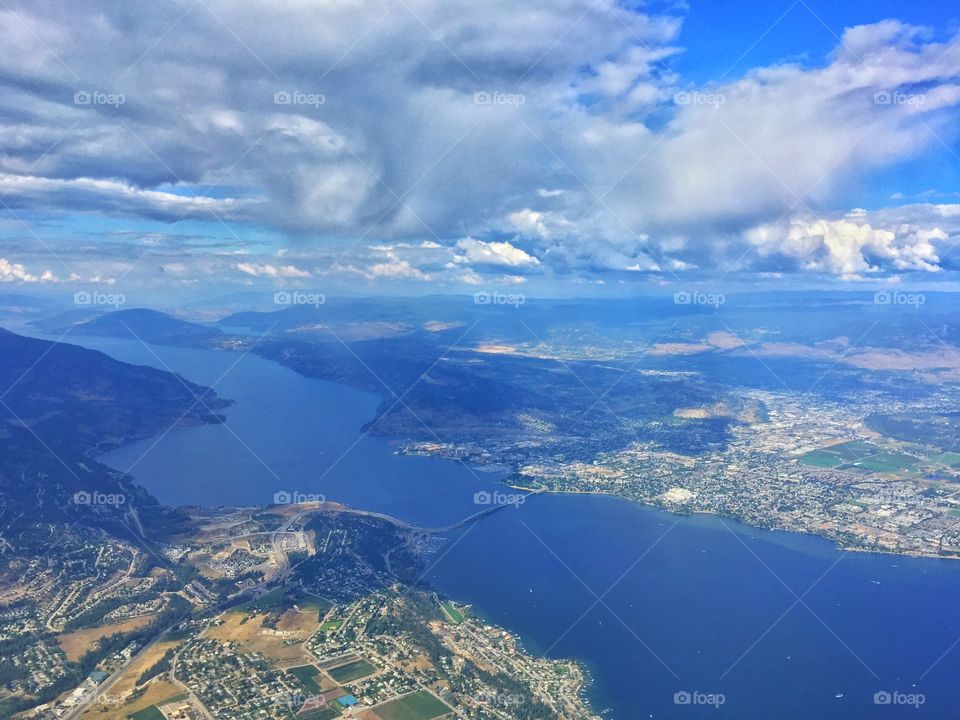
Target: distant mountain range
[{"x": 150, "y": 326}]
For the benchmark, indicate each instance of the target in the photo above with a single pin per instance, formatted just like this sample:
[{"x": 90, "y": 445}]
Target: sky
[{"x": 395, "y": 146}]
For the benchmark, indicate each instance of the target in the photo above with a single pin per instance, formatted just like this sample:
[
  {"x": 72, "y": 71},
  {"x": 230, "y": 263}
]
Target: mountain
[
  {"x": 60, "y": 405},
  {"x": 150, "y": 326}
]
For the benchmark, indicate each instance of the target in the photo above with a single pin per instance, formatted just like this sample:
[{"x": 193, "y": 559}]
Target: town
[{"x": 309, "y": 611}]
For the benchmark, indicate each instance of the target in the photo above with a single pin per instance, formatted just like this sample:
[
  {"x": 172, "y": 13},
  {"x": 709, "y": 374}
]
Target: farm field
[
  {"x": 352, "y": 671},
  {"x": 860, "y": 456},
  {"x": 149, "y": 713},
  {"x": 416, "y": 706},
  {"x": 307, "y": 674}
]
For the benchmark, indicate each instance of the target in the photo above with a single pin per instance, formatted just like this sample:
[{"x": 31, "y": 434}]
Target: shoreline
[{"x": 543, "y": 490}]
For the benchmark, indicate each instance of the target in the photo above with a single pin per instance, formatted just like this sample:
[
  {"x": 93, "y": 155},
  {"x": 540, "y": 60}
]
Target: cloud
[
  {"x": 112, "y": 197},
  {"x": 272, "y": 271},
  {"x": 851, "y": 245},
  {"x": 364, "y": 124},
  {"x": 15, "y": 272},
  {"x": 396, "y": 269},
  {"x": 479, "y": 252}
]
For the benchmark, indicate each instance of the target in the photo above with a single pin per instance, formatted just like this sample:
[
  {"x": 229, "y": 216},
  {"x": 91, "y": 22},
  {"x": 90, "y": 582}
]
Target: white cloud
[
  {"x": 15, "y": 272},
  {"x": 272, "y": 271},
  {"x": 396, "y": 269},
  {"x": 479, "y": 252},
  {"x": 850, "y": 246},
  {"x": 529, "y": 222}
]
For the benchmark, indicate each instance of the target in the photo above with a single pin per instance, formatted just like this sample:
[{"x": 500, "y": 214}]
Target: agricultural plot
[
  {"x": 860, "y": 456},
  {"x": 352, "y": 671},
  {"x": 417, "y": 706},
  {"x": 307, "y": 674},
  {"x": 148, "y": 713}
]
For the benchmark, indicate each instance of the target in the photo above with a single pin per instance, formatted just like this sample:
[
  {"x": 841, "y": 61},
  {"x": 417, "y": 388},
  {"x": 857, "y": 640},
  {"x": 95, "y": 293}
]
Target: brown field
[
  {"x": 252, "y": 637},
  {"x": 866, "y": 358},
  {"x": 157, "y": 691},
  {"x": 126, "y": 683},
  {"x": 75, "y": 644},
  {"x": 302, "y": 623}
]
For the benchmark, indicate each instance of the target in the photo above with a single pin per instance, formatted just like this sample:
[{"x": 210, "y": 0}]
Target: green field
[
  {"x": 417, "y": 706},
  {"x": 861, "y": 456},
  {"x": 887, "y": 462},
  {"x": 352, "y": 671},
  {"x": 319, "y": 714},
  {"x": 452, "y": 612},
  {"x": 181, "y": 634},
  {"x": 306, "y": 601},
  {"x": 947, "y": 458},
  {"x": 306, "y": 674},
  {"x": 272, "y": 599},
  {"x": 332, "y": 625},
  {"x": 279, "y": 598},
  {"x": 821, "y": 458},
  {"x": 148, "y": 713},
  {"x": 852, "y": 450}
]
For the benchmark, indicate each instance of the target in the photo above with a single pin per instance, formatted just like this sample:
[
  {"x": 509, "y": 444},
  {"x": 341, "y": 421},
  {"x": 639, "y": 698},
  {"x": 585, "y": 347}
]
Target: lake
[{"x": 777, "y": 625}]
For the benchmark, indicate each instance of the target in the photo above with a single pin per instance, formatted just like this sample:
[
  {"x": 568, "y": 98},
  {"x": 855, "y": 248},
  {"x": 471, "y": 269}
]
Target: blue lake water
[
  {"x": 286, "y": 434},
  {"x": 689, "y": 604}
]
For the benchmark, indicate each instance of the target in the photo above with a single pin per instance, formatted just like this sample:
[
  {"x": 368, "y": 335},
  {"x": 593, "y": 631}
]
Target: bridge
[{"x": 521, "y": 498}]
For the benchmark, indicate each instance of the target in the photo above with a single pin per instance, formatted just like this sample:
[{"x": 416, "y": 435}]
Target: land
[
  {"x": 128, "y": 609},
  {"x": 809, "y": 465},
  {"x": 345, "y": 630}
]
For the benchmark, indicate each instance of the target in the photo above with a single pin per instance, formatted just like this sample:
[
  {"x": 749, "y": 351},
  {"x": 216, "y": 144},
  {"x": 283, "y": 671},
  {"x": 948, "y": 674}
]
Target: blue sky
[
  {"x": 724, "y": 39},
  {"x": 729, "y": 36},
  {"x": 561, "y": 146}
]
